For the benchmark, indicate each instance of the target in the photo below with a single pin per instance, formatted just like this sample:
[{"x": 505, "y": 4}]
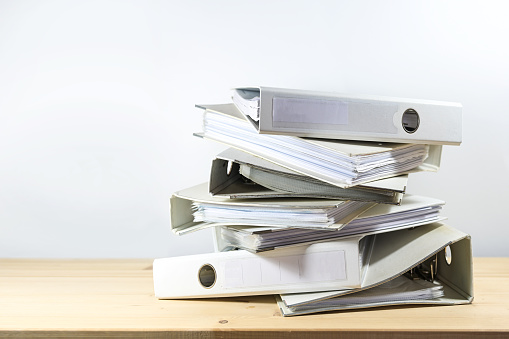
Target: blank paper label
[
  {"x": 311, "y": 111},
  {"x": 304, "y": 268}
]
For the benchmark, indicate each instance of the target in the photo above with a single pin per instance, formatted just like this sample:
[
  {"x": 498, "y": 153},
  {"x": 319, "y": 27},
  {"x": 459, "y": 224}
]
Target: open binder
[
  {"x": 434, "y": 252},
  {"x": 240, "y": 175},
  {"x": 336, "y": 116},
  {"x": 337, "y": 162},
  {"x": 194, "y": 208}
]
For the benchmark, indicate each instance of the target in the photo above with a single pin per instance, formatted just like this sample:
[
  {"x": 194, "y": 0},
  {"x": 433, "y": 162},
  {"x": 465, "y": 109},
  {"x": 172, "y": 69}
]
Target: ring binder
[
  {"x": 337, "y": 116},
  {"x": 413, "y": 212},
  {"x": 428, "y": 242},
  {"x": 309, "y": 274},
  {"x": 194, "y": 208},
  {"x": 337, "y": 162},
  {"x": 317, "y": 267},
  {"x": 237, "y": 174}
]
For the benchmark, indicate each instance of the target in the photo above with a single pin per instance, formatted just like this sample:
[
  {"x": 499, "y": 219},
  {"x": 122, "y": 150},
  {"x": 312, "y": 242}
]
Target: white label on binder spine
[
  {"x": 305, "y": 268},
  {"x": 311, "y": 111}
]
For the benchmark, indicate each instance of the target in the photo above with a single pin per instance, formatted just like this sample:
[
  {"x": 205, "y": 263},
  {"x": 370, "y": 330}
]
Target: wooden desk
[{"x": 114, "y": 299}]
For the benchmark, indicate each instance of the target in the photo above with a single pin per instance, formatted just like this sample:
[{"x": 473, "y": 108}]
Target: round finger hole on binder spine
[
  {"x": 448, "y": 255},
  {"x": 207, "y": 276},
  {"x": 410, "y": 120}
]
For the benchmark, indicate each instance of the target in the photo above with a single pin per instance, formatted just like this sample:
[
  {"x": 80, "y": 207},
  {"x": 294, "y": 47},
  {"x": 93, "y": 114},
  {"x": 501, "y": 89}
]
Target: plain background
[{"x": 97, "y": 106}]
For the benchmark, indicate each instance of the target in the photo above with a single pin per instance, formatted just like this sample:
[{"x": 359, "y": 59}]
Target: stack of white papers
[
  {"x": 193, "y": 209},
  {"x": 340, "y": 163},
  {"x": 397, "y": 291},
  {"x": 275, "y": 215},
  {"x": 413, "y": 212},
  {"x": 240, "y": 175},
  {"x": 248, "y": 101},
  {"x": 300, "y": 185}
]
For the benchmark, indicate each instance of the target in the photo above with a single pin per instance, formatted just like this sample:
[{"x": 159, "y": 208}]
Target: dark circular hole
[
  {"x": 207, "y": 276},
  {"x": 410, "y": 120}
]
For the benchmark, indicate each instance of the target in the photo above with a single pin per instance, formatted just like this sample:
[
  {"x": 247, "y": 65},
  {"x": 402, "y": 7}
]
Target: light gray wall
[{"x": 97, "y": 106}]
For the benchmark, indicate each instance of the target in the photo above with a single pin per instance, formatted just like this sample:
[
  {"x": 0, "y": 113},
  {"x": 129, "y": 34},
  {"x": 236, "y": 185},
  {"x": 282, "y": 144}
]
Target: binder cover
[{"x": 336, "y": 116}]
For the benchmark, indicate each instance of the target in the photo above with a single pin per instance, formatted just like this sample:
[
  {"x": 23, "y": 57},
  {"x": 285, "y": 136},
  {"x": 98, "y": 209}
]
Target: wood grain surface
[{"x": 115, "y": 299}]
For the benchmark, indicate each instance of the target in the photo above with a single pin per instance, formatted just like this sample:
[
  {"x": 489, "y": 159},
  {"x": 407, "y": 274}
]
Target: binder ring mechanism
[
  {"x": 426, "y": 270},
  {"x": 207, "y": 276},
  {"x": 410, "y": 121}
]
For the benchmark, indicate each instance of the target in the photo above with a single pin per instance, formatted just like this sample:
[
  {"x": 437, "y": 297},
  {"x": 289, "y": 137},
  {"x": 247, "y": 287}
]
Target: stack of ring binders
[{"x": 308, "y": 204}]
